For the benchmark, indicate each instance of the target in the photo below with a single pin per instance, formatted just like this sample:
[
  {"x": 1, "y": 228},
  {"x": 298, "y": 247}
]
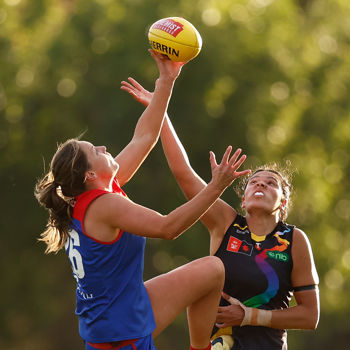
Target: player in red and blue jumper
[{"x": 103, "y": 232}]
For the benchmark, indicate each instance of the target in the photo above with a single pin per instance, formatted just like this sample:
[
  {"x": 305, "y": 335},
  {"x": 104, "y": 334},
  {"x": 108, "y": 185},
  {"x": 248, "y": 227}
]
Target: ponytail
[
  {"x": 56, "y": 192},
  {"x": 60, "y": 214}
]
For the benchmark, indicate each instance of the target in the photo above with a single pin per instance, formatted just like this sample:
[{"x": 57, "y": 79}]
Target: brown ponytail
[{"x": 57, "y": 189}]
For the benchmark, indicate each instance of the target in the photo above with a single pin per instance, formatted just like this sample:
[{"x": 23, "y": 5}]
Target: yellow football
[{"x": 176, "y": 38}]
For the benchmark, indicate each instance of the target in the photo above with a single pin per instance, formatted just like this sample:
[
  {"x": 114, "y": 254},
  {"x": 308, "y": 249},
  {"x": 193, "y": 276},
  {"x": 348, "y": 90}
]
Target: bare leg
[{"x": 198, "y": 287}]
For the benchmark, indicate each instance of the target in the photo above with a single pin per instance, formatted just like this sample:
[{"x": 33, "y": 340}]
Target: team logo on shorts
[{"x": 235, "y": 245}]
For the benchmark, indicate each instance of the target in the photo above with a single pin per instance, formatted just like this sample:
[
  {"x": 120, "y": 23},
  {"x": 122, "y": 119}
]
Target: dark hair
[
  {"x": 58, "y": 188},
  {"x": 284, "y": 174}
]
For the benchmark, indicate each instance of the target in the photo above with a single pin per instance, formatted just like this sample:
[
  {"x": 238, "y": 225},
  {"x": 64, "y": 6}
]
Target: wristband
[{"x": 256, "y": 317}]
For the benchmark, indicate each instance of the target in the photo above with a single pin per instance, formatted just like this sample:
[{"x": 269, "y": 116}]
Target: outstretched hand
[
  {"x": 226, "y": 172},
  {"x": 167, "y": 69},
  {"x": 137, "y": 91},
  {"x": 231, "y": 315}
]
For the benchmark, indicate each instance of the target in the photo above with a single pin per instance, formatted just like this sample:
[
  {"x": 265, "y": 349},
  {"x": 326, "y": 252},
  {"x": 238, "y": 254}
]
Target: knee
[{"x": 215, "y": 269}]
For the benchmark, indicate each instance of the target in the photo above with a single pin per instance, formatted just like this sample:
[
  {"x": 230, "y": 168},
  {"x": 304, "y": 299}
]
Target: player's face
[
  {"x": 263, "y": 193},
  {"x": 101, "y": 162}
]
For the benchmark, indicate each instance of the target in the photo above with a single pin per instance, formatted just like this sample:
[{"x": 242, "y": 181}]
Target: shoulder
[
  {"x": 103, "y": 215},
  {"x": 303, "y": 260},
  {"x": 218, "y": 233},
  {"x": 300, "y": 239},
  {"x": 226, "y": 217},
  {"x": 301, "y": 244},
  {"x": 107, "y": 203},
  {"x": 110, "y": 197},
  {"x": 304, "y": 269}
]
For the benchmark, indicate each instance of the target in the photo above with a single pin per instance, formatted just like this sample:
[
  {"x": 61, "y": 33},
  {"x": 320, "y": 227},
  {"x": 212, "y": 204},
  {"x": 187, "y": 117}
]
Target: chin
[
  {"x": 257, "y": 207},
  {"x": 115, "y": 166}
]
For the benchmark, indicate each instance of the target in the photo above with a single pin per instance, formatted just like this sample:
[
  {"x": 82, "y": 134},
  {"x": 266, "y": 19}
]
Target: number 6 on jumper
[{"x": 74, "y": 255}]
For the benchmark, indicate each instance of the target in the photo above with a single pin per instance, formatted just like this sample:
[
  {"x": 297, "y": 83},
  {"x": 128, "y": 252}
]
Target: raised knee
[{"x": 215, "y": 268}]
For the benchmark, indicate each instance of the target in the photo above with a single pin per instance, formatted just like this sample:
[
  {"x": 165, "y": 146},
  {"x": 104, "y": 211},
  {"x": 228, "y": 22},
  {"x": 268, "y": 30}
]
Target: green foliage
[{"x": 273, "y": 78}]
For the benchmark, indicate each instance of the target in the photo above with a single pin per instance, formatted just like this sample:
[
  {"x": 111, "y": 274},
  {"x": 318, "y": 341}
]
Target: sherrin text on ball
[{"x": 176, "y": 38}]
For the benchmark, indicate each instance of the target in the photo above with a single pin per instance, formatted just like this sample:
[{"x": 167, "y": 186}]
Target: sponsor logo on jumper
[
  {"x": 258, "y": 245},
  {"x": 163, "y": 48},
  {"x": 242, "y": 230},
  {"x": 237, "y": 246},
  {"x": 280, "y": 256},
  {"x": 170, "y": 26}
]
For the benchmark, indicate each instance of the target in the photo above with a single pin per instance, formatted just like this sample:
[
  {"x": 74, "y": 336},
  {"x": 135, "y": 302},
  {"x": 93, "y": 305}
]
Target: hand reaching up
[
  {"x": 137, "y": 91},
  {"x": 225, "y": 173},
  {"x": 167, "y": 69}
]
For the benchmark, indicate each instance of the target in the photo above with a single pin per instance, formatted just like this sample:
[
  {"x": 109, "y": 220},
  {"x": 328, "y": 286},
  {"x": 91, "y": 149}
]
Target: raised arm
[
  {"x": 218, "y": 218},
  {"x": 112, "y": 211},
  {"x": 220, "y": 215},
  {"x": 148, "y": 126}
]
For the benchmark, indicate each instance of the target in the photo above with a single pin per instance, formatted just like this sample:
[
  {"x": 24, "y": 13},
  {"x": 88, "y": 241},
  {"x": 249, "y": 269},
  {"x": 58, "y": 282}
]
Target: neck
[
  {"x": 261, "y": 224},
  {"x": 99, "y": 184}
]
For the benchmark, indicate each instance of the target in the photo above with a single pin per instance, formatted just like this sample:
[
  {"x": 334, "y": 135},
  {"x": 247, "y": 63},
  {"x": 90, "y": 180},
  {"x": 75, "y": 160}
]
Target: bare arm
[
  {"x": 305, "y": 314},
  {"x": 148, "y": 126},
  {"x": 220, "y": 215},
  {"x": 304, "y": 273},
  {"x": 111, "y": 212}
]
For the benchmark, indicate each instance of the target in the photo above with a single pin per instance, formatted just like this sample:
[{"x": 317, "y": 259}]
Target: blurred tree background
[{"x": 273, "y": 78}]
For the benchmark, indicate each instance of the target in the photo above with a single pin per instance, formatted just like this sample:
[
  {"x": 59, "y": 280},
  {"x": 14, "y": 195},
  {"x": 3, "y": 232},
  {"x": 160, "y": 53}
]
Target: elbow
[
  {"x": 314, "y": 322},
  {"x": 170, "y": 235},
  {"x": 150, "y": 140},
  {"x": 311, "y": 322},
  {"x": 182, "y": 173},
  {"x": 147, "y": 140},
  {"x": 169, "y": 232},
  {"x": 311, "y": 326}
]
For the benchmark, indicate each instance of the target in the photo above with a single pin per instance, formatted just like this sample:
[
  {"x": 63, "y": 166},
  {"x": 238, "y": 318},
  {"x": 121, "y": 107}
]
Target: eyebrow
[{"x": 269, "y": 177}]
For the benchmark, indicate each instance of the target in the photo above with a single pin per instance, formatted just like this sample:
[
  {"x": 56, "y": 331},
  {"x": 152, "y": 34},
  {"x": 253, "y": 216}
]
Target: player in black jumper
[{"x": 266, "y": 260}]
